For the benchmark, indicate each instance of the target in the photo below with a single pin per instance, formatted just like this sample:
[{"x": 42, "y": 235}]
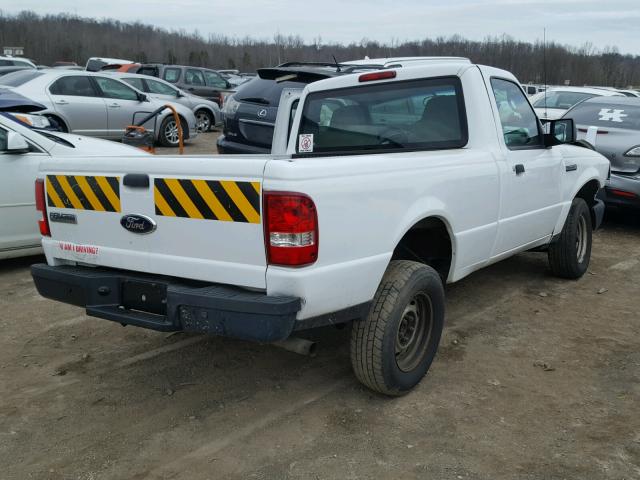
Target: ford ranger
[{"x": 381, "y": 187}]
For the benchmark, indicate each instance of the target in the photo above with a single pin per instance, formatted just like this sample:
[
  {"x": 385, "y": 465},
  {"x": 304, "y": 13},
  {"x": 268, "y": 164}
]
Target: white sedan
[{"x": 21, "y": 151}]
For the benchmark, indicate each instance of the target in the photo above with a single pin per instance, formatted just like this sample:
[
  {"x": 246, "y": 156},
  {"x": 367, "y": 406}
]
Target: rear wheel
[
  {"x": 393, "y": 348},
  {"x": 168, "y": 136},
  {"x": 570, "y": 254},
  {"x": 204, "y": 121}
]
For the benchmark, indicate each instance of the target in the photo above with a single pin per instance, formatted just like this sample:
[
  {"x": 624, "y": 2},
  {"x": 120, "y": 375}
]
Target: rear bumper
[
  {"x": 196, "y": 307},
  {"x": 225, "y": 146}
]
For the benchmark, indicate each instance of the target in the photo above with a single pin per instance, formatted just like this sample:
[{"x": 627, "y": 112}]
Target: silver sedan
[
  {"x": 207, "y": 113},
  {"x": 97, "y": 104},
  {"x": 612, "y": 126}
]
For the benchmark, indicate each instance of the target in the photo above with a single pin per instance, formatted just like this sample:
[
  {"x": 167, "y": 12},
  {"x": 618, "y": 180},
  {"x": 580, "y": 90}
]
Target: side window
[
  {"x": 194, "y": 77},
  {"x": 171, "y": 75},
  {"x": 214, "y": 80},
  {"x": 114, "y": 89},
  {"x": 520, "y": 125},
  {"x": 160, "y": 88},
  {"x": 75, "y": 85},
  {"x": 135, "y": 83},
  {"x": 425, "y": 114}
]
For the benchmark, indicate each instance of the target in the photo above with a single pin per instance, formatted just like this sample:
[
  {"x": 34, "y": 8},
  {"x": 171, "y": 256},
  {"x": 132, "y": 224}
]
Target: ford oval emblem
[
  {"x": 139, "y": 224},
  {"x": 262, "y": 112}
]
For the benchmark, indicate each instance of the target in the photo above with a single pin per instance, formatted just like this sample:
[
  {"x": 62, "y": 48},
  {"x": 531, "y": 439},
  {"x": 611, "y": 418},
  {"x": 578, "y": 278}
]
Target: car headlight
[
  {"x": 230, "y": 106},
  {"x": 634, "y": 152},
  {"x": 35, "y": 121}
]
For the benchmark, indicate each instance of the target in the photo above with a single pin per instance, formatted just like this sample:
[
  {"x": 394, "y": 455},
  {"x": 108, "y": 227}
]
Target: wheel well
[
  {"x": 428, "y": 242},
  {"x": 588, "y": 194},
  {"x": 56, "y": 118},
  {"x": 204, "y": 108}
]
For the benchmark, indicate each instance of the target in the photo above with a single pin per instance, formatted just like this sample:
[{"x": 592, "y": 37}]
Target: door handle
[
  {"x": 61, "y": 102},
  {"x": 571, "y": 168},
  {"x": 114, "y": 105},
  {"x": 519, "y": 169}
]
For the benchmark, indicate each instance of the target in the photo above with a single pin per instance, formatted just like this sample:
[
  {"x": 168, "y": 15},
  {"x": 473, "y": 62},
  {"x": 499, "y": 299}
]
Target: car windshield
[
  {"x": 20, "y": 77},
  {"x": 562, "y": 99}
]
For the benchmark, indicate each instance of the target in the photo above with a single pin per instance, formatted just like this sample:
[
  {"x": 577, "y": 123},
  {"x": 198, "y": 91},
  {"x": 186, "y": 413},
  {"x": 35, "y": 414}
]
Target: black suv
[
  {"x": 250, "y": 113},
  {"x": 199, "y": 81}
]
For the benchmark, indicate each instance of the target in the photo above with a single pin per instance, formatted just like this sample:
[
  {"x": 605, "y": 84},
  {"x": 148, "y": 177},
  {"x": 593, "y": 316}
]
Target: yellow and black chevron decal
[
  {"x": 224, "y": 200},
  {"x": 84, "y": 192}
]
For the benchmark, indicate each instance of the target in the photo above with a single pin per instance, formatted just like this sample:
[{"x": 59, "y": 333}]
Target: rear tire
[
  {"x": 168, "y": 136},
  {"x": 393, "y": 348},
  {"x": 570, "y": 254},
  {"x": 205, "y": 121}
]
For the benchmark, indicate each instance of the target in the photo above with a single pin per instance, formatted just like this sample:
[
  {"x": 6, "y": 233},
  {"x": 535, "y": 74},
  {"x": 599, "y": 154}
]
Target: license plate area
[{"x": 149, "y": 297}]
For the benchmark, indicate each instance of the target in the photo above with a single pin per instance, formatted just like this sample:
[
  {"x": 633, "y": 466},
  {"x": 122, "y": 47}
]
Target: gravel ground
[
  {"x": 204, "y": 143},
  {"x": 536, "y": 378}
]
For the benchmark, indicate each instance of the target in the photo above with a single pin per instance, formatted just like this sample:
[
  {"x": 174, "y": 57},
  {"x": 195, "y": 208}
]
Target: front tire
[
  {"x": 570, "y": 254},
  {"x": 393, "y": 348}
]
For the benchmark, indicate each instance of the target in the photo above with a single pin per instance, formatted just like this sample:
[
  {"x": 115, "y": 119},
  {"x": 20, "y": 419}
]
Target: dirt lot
[
  {"x": 204, "y": 143},
  {"x": 536, "y": 378}
]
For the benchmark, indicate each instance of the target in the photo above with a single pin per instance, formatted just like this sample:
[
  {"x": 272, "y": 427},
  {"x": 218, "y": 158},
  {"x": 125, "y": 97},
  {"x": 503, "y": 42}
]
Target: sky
[{"x": 603, "y": 23}]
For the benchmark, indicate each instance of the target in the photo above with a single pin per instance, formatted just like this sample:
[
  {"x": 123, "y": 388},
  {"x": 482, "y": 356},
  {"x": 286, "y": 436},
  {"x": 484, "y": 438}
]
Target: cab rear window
[{"x": 426, "y": 114}]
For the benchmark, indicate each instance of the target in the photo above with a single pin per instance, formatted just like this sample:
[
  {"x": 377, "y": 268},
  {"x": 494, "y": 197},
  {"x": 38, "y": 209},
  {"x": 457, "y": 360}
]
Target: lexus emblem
[
  {"x": 139, "y": 224},
  {"x": 262, "y": 112}
]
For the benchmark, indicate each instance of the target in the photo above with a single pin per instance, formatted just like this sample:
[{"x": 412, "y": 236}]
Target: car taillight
[
  {"x": 370, "y": 77},
  {"x": 290, "y": 229},
  {"x": 41, "y": 206}
]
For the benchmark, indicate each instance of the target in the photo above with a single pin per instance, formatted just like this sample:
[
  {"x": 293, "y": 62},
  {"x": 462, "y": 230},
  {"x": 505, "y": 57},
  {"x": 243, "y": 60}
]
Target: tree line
[{"x": 51, "y": 38}]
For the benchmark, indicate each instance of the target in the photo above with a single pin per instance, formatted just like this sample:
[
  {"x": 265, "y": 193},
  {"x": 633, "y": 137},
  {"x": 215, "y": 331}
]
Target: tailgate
[{"x": 188, "y": 217}]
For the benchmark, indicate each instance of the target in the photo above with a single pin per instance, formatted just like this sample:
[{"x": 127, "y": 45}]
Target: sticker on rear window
[
  {"x": 305, "y": 143},
  {"x": 611, "y": 115}
]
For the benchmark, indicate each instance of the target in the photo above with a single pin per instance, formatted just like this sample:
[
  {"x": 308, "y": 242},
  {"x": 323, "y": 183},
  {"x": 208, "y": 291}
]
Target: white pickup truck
[{"x": 382, "y": 187}]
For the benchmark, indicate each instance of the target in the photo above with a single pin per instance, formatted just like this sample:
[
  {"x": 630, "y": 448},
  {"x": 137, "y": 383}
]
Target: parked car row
[
  {"x": 201, "y": 89},
  {"x": 97, "y": 104}
]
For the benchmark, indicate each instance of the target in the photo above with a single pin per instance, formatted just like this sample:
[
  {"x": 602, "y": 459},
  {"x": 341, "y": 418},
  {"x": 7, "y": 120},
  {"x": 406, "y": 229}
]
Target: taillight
[
  {"x": 384, "y": 75},
  {"x": 290, "y": 229},
  {"x": 41, "y": 206},
  {"x": 622, "y": 193}
]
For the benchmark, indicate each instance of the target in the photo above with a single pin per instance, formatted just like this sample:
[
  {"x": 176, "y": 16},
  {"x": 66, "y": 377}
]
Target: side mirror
[
  {"x": 179, "y": 94},
  {"x": 559, "y": 132},
  {"x": 142, "y": 97},
  {"x": 16, "y": 143}
]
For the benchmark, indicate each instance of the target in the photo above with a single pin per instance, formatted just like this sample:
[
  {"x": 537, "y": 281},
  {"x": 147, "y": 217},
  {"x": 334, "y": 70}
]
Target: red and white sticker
[
  {"x": 80, "y": 250},
  {"x": 305, "y": 143}
]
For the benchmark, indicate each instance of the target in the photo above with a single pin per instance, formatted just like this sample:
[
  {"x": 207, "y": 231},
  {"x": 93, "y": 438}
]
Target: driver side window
[{"x": 520, "y": 125}]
